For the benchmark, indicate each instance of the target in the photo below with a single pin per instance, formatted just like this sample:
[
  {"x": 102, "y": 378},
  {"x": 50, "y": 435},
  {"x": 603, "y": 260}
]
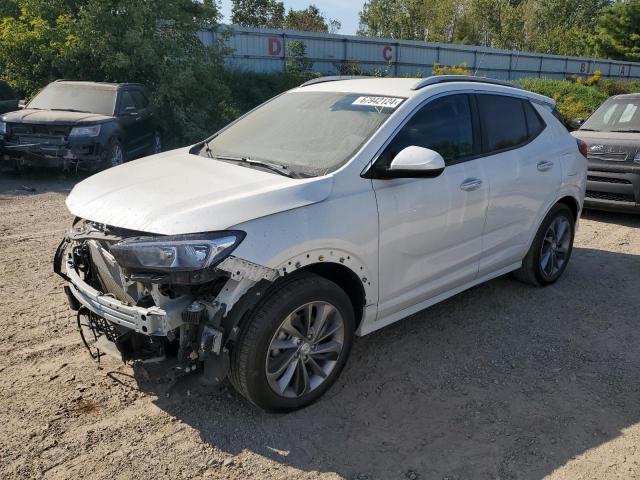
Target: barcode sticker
[{"x": 382, "y": 102}]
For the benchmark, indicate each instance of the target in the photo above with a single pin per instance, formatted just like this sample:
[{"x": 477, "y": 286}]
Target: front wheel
[
  {"x": 156, "y": 146},
  {"x": 115, "y": 154},
  {"x": 551, "y": 249},
  {"x": 295, "y": 345}
]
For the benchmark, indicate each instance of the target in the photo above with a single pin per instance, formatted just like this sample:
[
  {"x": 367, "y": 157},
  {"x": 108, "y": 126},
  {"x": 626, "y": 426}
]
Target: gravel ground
[{"x": 503, "y": 381}]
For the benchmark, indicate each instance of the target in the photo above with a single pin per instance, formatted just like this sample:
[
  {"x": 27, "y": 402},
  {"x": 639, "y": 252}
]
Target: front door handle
[
  {"x": 470, "y": 184},
  {"x": 544, "y": 166}
]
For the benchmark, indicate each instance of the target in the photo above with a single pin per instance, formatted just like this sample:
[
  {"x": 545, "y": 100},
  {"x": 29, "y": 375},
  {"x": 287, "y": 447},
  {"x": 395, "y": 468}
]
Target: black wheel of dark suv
[
  {"x": 114, "y": 154},
  {"x": 295, "y": 345},
  {"x": 551, "y": 249}
]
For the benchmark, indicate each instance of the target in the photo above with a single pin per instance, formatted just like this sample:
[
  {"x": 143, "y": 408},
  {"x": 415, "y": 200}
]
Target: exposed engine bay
[{"x": 181, "y": 318}]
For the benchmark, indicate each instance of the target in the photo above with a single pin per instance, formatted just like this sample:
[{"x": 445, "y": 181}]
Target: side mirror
[
  {"x": 415, "y": 162},
  {"x": 22, "y": 104},
  {"x": 576, "y": 123}
]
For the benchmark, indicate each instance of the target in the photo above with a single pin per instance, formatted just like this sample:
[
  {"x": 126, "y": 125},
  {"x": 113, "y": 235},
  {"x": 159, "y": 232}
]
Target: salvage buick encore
[{"x": 330, "y": 211}]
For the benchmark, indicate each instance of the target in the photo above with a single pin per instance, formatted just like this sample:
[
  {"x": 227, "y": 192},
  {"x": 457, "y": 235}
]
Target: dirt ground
[{"x": 503, "y": 381}]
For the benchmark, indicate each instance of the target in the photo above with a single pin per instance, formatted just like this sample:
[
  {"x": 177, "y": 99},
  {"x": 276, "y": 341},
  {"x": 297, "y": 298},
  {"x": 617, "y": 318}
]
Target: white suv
[{"x": 330, "y": 211}]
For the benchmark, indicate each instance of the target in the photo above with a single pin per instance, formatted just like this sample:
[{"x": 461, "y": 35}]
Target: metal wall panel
[{"x": 264, "y": 50}]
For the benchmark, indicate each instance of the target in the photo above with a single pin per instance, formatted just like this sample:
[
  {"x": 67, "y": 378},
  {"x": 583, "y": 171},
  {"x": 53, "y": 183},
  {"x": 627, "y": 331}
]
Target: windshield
[
  {"x": 308, "y": 132},
  {"x": 615, "y": 115},
  {"x": 75, "y": 97}
]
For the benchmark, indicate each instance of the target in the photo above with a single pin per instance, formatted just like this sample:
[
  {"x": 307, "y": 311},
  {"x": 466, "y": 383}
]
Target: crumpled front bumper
[{"x": 149, "y": 321}]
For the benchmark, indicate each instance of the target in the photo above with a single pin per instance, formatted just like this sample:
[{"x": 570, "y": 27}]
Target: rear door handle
[
  {"x": 470, "y": 184},
  {"x": 544, "y": 166}
]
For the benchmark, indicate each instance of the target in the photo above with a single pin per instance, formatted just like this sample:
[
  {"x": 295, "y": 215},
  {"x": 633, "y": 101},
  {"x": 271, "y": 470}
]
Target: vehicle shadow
[
  {"x": 625, "y": 219},
  {"x": 502, "y": 381}
]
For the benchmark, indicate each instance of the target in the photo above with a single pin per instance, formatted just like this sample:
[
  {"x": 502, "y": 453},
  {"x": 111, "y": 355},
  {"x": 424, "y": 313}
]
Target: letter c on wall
[
  {"x": 275, "y": 46},
  {"x": 387, "y": 53}
]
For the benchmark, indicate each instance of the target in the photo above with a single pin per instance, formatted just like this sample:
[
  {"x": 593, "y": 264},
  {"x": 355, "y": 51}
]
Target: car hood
[
  {"x": 616, "y": 143},
  {"x": 177, "y": 192},
  {"x": 57, "y": 117}
]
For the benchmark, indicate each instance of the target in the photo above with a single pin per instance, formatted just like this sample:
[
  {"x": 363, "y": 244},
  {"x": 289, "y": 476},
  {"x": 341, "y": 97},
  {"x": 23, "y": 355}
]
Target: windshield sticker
[{"x": 381, "y": 102}]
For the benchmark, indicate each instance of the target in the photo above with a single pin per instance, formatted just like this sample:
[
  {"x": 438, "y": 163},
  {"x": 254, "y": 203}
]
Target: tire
[
  {"x": 257, "y": 351},
  {"x": 156, "y": 146},
  {"x": 114, "y": 155},
  {"x": 538, "y": 267}
]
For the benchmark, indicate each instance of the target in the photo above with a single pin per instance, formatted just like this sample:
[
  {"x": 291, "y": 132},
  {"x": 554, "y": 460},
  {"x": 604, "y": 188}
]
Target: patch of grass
[{"x": 573, "y": 100}]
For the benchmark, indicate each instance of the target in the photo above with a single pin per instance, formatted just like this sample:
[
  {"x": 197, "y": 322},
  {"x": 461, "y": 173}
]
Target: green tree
[
  {"x": 258, "y": 13},
  {"x": 309, "y": 20},
  {"x": 550, "y": 26},
  {"x": 297, "y": 61},
  {"x": 618, "y": 32},
  {"x": 152, "y": 42}
]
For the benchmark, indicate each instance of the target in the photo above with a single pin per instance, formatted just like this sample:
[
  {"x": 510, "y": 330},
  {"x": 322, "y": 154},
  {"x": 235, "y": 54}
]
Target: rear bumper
[{"x": 613, "y": 186}]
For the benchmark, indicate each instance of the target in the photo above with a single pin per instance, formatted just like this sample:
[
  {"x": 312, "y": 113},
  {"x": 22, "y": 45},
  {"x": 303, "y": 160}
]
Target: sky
[{"x": 346, "y": 11}]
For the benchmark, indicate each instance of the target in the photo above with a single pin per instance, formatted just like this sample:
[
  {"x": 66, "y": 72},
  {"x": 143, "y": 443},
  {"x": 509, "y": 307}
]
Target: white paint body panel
[
  {"x": 430, "y": 235},
  {"x": 176, "y": 192},
  {"x": 412, "y": 242}
]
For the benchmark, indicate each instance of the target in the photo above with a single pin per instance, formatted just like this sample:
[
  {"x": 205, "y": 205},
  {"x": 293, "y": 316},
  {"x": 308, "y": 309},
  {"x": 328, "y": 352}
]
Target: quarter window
[
  {"x": 503, "y": 122},
  {"x": 443, "y": 125},
  {"x": 535, "y": 124}
]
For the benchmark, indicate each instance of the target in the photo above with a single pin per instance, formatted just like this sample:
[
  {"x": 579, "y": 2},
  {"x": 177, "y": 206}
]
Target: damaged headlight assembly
[{"x": 178, "y": 253}]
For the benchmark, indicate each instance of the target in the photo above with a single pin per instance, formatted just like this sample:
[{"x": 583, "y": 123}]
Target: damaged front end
[{"x": 173, "y": 301}]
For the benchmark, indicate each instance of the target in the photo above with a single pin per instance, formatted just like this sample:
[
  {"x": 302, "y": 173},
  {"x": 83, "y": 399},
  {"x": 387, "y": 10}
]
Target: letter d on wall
[{"x": 275, "y": 46}]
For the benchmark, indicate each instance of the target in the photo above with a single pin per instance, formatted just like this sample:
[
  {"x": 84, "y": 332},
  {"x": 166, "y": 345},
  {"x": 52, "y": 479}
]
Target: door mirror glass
[
  {"x": 22, "y": 104},
  {"x": 415, "y": 162}
]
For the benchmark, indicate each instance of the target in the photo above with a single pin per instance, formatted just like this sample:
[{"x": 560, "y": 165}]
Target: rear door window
[
  {"x": 503, "y": 122},
  {"x": 443, "y": 125}
]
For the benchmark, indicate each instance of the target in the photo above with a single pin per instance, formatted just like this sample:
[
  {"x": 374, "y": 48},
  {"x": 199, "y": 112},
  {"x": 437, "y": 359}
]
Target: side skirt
[{"x": 367, "y": 327}]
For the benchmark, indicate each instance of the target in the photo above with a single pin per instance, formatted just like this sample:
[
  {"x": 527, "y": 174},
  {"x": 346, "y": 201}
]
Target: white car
[{"x": 330, "y": 211}]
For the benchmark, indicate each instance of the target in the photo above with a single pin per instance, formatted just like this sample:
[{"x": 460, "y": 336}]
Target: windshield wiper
[
  {"x": 626, "y": 131},
  {"x": 273, "y": 167}
]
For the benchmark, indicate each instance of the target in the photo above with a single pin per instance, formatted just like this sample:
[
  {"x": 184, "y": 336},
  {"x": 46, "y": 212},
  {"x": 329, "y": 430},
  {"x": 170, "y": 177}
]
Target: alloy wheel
[
  {"x": 157, "y": 143},
  {"x": 555, "y": 247},
  {"x": 305, "y": 349},
  {"x": 117, "y": 156}
]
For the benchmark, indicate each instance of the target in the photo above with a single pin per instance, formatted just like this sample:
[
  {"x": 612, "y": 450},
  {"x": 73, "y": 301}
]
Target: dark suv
[
  {"x": 612, "y": 134},
  {"x": 8, "y": 98},
  {"x": 80, "y": 125}
]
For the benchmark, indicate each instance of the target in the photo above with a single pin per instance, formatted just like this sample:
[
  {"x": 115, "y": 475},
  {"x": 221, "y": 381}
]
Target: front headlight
[
  {"x": 179, "y": 253},
  {"x": 3, "y": 128},
  {"x": 92, "y": 131}
]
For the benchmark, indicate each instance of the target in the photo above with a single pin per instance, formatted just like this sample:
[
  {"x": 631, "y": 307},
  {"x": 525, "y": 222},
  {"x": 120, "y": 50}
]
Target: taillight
[{"x": 582, "y": 146}]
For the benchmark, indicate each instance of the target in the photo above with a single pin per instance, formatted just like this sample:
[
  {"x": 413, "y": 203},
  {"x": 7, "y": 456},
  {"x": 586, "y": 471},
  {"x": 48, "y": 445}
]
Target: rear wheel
[
  {"x": 295, "y": 345},
  {"x": 551, "y": 250}
]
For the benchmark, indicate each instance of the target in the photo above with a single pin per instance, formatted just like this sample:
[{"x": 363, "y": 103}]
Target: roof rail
[
  {"x": 334, "y": 78},
  {"x": 425, "y": 82}
]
